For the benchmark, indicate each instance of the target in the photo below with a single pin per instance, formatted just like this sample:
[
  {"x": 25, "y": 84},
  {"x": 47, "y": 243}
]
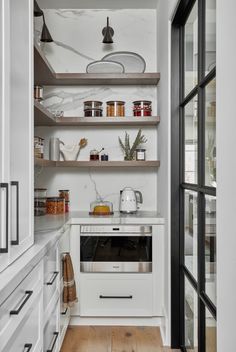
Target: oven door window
[{"x": 115, "y": 248}]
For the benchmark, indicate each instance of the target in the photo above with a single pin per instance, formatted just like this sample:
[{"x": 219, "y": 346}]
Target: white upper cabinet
[{"x": 16, "y": 127}]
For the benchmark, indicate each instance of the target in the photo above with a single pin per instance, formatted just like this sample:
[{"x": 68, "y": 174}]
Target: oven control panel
[{"x": 139, "y": 229}]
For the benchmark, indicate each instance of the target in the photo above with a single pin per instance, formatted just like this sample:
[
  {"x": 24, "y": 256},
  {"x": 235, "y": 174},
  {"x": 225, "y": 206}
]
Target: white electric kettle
[{"x": 129, "y": 199}]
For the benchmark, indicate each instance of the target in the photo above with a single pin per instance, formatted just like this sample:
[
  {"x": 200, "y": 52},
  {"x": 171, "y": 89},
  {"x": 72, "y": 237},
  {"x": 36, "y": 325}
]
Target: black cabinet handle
[
  {"x": 65, "y": 311},
  {"x": 27, "y": 296},
  {"x": 53, "y": 278},
  {"x": 116, "y": 297},
  {"x": 5, "y": 249},
  {"x": 54, "y": 341},
  {"x": 16, "y": 241},
  {"x": 27, "y": 347}
]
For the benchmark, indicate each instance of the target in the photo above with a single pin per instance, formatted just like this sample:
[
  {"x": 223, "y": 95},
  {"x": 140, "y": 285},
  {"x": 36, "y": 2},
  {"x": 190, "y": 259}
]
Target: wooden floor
[{"x": 113, "y": 339}]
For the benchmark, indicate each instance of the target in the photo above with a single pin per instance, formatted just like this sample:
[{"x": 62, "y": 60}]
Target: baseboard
[
  {"x": 164, "y": 329},
  {"x": 139, "y": 321}
]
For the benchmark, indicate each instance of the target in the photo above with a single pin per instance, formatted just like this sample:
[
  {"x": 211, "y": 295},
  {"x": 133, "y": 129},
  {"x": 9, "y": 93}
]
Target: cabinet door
[
  {"x": 21, "y": 126},
  {"x": 4, "y": 133}
]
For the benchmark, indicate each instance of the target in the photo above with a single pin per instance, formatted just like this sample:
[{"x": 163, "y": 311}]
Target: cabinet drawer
[
  {"x": 28, "y": 336},
  {"x": 64, "y": 315},
  {"x": 51, "y": 276},
  {"x": 51, "y": 331},
  {"x": 116, "y": 295},
  {"x": 14, "y": 309}
]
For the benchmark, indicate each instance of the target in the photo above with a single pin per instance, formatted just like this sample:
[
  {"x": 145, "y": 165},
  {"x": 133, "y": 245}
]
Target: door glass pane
[
  {"x": 210, "y": 247},
  {"x": 210, "y": 332},
  {"x": 191, "y": 49},
  {"x": 190, "y": 232},
  {"x": 191, "y": 141},
  {"x": 210, "y": 54},
  {"x": 191, "y": 317},
  {"x": 210, "y": 134}
]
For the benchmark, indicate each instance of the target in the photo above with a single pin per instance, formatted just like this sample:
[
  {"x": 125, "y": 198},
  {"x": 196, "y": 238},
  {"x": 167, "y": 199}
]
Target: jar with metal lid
[
  {"x": 140, "y": 154},
  {"x": 55, "y": 205},
  {"x": 142, "y": 108},
  {"x": 93, "y": 108},
  {"x": 115, "y": 108},
  {"x": 38, "y": 93},
  {"x": 64, "y": 193},
  {"x": 38, "y": 147},
  {"x": 40, "y": 192},
  {"x": 40, "y": 206}
]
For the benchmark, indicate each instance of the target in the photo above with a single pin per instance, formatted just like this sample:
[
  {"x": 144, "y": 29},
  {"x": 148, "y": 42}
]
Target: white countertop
[{"x": 55, "y": 222}]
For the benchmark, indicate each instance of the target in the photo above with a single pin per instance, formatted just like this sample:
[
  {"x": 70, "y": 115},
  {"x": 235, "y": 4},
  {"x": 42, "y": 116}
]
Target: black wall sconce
[
  {"x": 45, "y": 35},
  {"x": 108, "y": 33}
]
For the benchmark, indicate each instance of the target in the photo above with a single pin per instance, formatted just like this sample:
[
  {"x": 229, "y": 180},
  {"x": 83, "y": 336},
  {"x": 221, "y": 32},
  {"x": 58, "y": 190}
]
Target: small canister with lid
[
  {"x": 93, "y": 108},
  {"x": 40, "y": 201},
  {"x": 65, "y": 193},
  {"x": 55, "y": 205},
  {"x": 115, "y": 108},
  {"x": 140, "y": 154},
  {"x": 142, "y": 108}
]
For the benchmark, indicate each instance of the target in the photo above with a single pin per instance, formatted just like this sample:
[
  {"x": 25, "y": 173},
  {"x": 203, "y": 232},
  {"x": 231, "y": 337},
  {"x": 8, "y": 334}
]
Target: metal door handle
[
  {"x": 16, "y": 241},
  {"x": 27, "y": 347},
  {"x": 5, "y": 249},
  {"x": 115, "y": 297},
  {"x": 54, "y": 341},
  {"x": 17, "y": 311},
  {"x": 65, "y": 311},
  {"x": 53, "y": 278}
]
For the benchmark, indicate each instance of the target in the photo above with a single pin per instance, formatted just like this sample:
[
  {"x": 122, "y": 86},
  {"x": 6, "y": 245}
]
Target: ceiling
[{"x": 98, "y": 4}]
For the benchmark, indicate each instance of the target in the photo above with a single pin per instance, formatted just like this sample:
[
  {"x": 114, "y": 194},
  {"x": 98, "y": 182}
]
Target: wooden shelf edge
[
  {"x": 42, "y": 116},
  {"x": 98, "y": 164},
  {"x": 108, "y": 121}
]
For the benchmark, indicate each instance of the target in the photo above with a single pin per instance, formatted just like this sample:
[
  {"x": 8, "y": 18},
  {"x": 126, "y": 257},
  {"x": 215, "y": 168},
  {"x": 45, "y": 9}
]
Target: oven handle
[
  {"x": 116, "y": 234},
  {"x": 115, "y": 297}
]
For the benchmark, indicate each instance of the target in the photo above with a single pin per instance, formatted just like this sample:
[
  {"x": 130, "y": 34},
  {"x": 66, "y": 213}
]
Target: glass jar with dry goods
[
  {"x": 142, "y": 108},
  {"x": 55, "y": 205},
  {"x": 64, "y": 193},
  {"x": 40, "y": 201},
  {"x": 115, "y": 108},
  {"x": 93, "y": 108},
  {"x": 38, "y": 93},
  {"x": 38, "y": 147}
]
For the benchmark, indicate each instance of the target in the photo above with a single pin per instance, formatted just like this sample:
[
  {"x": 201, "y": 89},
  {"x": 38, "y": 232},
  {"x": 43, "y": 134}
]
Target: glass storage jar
[
  {"x": 140, "y": 154},
  {"x": 40, "y": 206},
  {"x": 64, "y": 193},
  {"x": 115, "y": 108},
  {"x": 55, "y": 205},
  {"x": 142, "y": 108},
  {"x": 93, "y": 108},
  {"x": 38, "y": 147}
]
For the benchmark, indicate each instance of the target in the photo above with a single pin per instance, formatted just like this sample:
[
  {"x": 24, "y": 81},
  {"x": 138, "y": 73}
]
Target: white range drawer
[
  {"x": 51, "y": 330},
  {"x": 51, "y": 276},
  {"x": 28, "y": 335},
  {"x": 116, "y": 295},
  {"x": 14, "y": 309}
]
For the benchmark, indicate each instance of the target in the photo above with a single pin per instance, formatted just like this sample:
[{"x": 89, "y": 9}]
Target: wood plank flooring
[{"x": 113, "y": 339}]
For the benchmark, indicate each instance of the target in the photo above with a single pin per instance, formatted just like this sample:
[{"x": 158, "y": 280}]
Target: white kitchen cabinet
[
  {"x": 51, "y": 329},
  {"x": 16, "y": 129}
]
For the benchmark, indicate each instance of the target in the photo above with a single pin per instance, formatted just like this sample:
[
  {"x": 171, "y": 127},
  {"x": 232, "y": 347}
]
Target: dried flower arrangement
[{"x": 129, "y": 152}]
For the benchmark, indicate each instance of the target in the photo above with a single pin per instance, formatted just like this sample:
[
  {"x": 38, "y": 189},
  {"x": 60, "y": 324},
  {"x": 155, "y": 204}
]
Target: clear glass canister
[
  {"x": 55, "y": 205},
  {"x": 142, "y": 108},
  {"x": 100, "y": 207},
  {"x": 115, "y": 108},
  {"x": 64, "y": 193}
]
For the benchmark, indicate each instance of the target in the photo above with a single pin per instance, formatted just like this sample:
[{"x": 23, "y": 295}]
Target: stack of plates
[{"x": 118, "y": 62}]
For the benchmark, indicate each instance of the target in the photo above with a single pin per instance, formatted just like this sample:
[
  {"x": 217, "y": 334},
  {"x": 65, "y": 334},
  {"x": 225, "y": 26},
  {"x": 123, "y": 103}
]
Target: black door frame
[{"x": 178, "y": 101}]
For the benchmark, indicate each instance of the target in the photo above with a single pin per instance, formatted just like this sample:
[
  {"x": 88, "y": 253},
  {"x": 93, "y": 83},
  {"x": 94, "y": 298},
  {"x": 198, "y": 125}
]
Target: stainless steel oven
[{"x": 123, "y": 248}]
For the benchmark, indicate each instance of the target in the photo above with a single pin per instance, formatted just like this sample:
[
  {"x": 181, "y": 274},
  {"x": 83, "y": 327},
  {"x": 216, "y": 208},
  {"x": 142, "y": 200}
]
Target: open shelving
[{"x": 98, "y": 164}]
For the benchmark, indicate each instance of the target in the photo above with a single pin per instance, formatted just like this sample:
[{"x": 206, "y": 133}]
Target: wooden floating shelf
[
  {"x": 97, "y": 164},
  {"x": 43, "y": 117},
  {"x": 45, "y": 75}
]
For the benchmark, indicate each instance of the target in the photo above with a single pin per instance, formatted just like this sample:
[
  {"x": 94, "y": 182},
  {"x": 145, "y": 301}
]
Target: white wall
[
  {"x": 226, "y": 175},
  {"x": 78, "y": 38}
]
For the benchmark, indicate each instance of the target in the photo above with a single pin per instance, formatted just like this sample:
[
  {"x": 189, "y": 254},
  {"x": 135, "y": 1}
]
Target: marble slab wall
[{"x": 78, "y": 41}]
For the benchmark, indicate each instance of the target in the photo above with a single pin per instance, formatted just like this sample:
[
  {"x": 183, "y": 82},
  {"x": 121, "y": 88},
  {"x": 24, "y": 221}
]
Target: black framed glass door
[{"x": 194, "y": 176}]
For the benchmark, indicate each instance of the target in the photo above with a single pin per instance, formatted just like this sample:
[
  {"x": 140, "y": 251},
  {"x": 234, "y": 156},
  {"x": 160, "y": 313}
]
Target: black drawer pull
[
  {"x": 116, "y": 297},
  {"x": 65, "y": 311},
  {"x": 16, "y": 241},
  {"x": 54, "y": 341},
  {"x": 27, "y": 347},
  {"x": 27, "y": 296},
  {"x": 5, "y": 249},
  {"x": 53, "y": 278}
]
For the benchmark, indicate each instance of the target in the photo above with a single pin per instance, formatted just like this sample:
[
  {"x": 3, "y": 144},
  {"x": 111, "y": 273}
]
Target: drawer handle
[
  {"x": 27, "y": 347},
  {"x": 115, "y": 297},
  {"x": 54, "y": 341},
  {"x": 65, "y": 311},
  {"x": 17, "y": 311},
  {"x": 53, "y": 278}
]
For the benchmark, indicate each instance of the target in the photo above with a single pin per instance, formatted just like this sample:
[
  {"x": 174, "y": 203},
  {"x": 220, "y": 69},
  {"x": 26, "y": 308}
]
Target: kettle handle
[{"x": 139, "y": 197}]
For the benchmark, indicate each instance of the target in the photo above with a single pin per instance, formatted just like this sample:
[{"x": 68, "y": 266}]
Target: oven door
[{"x": 119, "y": 249}]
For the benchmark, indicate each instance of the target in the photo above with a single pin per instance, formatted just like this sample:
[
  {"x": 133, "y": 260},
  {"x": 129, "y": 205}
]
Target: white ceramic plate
[
  {"x": 104, "y": 66},
  {"x": 132, "y": 62}
]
